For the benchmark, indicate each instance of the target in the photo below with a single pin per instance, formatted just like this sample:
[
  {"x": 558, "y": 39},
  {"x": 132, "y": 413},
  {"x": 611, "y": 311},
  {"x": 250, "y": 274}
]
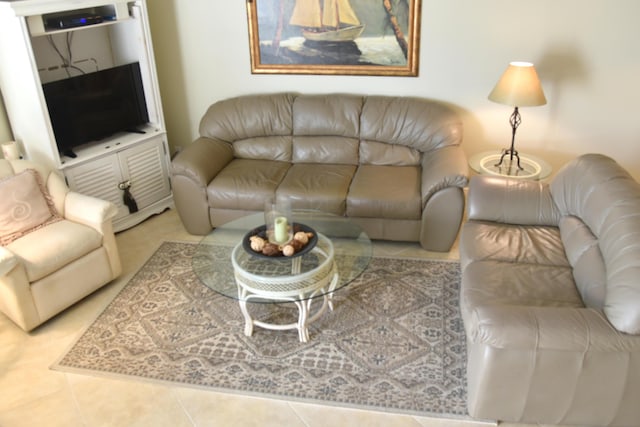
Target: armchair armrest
[
  {"x": 202, "y": 160},
  {"x": 511, "y": 201},
  {"x": 16, "y": 298},
  {"x": 88, "y": 210},
  {"x": 442, "y": 168},
  {"x": 8, "y": 260}
]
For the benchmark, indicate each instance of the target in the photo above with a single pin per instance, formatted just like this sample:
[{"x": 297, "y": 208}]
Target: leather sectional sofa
[
  {"x": 393, "y": 165},
  {"x": 550, "y": 296}
]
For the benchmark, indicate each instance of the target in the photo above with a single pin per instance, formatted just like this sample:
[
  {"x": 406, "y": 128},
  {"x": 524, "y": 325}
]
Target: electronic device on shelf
[
  {"x": 73, "y": 21},
  {"x": 77, "y": 18}
]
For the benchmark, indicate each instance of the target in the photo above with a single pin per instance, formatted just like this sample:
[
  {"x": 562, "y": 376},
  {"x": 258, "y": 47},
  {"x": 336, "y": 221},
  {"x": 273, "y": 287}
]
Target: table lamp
[{"x": 519, "y": 86}]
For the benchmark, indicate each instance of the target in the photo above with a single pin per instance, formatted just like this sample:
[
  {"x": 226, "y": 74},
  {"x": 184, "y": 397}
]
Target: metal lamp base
[{"x": 514, "y": 121}]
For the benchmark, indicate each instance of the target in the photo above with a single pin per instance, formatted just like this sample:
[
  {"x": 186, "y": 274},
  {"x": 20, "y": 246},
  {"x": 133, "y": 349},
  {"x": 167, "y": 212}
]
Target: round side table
[{"x": 533, "y": 167}]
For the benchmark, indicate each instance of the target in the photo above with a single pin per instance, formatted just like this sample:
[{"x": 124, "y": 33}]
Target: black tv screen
[{"x": 93, "y": 106}]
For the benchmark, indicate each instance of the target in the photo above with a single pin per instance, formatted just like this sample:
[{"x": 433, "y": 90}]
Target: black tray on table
[{"x": 262, "y": 232}]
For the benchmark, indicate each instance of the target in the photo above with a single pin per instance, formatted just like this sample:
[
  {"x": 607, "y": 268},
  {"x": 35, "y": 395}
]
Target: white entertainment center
[{"x": 42, "y": 41}]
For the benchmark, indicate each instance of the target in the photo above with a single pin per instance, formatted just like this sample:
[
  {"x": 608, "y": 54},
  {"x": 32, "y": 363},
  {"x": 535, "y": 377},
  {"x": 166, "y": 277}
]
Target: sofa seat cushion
[
  {"x": 321, "y": 187},
  {"x": 244, "y": 184},
  {"x": 390, "y": 192},
  {"x": 499, "y": 283},
  {"x": 542, "y": 245},
  {"x": 58, "y": 244}
]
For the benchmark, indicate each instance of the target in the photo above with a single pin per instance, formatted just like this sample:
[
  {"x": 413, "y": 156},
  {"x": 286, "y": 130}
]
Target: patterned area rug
[{"x": 394, "y": 342}]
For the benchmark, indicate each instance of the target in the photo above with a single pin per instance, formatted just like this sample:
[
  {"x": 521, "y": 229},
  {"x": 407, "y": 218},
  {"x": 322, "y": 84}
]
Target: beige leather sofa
[
  {"x": 393, "y": 165},
  {"x": 550, "y": 296},
  {"x": 46, "y": 270}
]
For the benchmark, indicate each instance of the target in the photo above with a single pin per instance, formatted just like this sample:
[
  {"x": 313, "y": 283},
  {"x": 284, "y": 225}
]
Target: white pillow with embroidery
[{"x": 25, "y": 206}]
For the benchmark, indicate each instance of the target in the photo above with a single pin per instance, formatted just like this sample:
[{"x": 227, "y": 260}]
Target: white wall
[
  {"x": 586, "y": 53},
  {"x": 5, "y": 128}
]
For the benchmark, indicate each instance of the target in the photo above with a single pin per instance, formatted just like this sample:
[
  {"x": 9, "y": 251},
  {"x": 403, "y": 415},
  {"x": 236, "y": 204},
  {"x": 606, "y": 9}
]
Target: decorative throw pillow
[{"x": 25, "y": 205}]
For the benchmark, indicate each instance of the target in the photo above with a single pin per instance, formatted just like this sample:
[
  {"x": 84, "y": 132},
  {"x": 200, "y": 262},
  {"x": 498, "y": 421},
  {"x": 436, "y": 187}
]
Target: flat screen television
[{"x": 93, "y": 106}]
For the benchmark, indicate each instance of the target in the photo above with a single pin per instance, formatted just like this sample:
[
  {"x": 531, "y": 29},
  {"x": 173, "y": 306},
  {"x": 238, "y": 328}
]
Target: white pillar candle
[
  {"x": 10, "y": 150},
  {"x": 281, "y": 229}
]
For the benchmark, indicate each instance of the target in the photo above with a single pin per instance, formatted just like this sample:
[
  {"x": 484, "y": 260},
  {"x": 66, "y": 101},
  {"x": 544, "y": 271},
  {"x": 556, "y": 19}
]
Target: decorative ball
[
  {"x": 301, "y": 236},
  {"x": 257, "y": 243},
  {"x": 271, "y": 249},
  {"x": 288, "y": 250},
  {"x": 297, "y": 245}
]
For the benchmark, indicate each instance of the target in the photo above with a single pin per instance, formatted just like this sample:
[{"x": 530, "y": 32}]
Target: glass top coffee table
[{"x": 341, "y": 252}]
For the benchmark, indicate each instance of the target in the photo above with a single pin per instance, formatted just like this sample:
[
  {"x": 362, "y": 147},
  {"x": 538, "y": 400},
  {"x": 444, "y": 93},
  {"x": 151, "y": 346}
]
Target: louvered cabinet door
[
  {"x": 138, "y": 172},
  {"x": 145, "y": 171},
  {"x": 99, "y": 178}
]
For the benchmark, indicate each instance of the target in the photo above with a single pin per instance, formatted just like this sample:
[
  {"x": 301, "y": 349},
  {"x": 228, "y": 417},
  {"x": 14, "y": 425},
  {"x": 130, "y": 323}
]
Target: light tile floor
[{"x": 31, "y": 394}]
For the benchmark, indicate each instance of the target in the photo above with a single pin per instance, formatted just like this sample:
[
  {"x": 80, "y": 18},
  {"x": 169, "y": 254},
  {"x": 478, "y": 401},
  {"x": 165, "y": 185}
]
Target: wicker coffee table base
[{"x": 302, "y": 289}]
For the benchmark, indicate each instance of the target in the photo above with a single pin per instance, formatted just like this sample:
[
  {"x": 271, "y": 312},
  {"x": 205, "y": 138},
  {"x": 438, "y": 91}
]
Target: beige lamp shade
[{"x": 519, "y": 86}]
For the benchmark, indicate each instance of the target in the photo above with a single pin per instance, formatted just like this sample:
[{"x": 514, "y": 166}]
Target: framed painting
[{"x": 357, "y": 37}]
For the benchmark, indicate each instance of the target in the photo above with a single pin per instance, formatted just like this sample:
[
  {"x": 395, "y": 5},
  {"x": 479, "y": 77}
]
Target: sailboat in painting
[{"x": 326, "y": 20}]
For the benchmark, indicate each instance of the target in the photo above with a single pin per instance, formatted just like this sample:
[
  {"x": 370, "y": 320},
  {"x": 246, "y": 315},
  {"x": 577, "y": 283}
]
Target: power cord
[{"x": 67, "y": 60}]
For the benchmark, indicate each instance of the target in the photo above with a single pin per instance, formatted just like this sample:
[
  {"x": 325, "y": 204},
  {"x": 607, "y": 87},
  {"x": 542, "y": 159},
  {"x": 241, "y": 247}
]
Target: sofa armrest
[
  {"x": 443, "y": 168},
  {"x": 511, "y": 201},
  {"x": 90, "y": 211},
  {"x": 202, "y": 160},
  {"x": 8, "y": 260},
  {"x": 444, "y": 176},
  {"x": 191, "y": 172}
]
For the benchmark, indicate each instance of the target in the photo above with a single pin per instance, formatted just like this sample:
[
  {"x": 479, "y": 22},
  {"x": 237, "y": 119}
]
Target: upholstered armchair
[{"x": 56, "y": 246}]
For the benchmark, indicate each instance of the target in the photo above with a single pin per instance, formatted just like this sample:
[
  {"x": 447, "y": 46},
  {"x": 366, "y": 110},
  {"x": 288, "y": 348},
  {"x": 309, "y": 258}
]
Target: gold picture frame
[{"x": 372, "y": 37}]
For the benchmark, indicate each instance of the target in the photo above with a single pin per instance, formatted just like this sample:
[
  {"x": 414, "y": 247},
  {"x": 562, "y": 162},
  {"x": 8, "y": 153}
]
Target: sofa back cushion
[
  {"x": 381, "y": 154},
  {"x": 598, "y": 191},
  {"x": 326, "y": 128},
  {"x": 248, "y": 117},
  {"x": 583, "y": 253},
  {"x": 322, "y": 115},
  {"x": 325, "y": 149},
  {"x": 421, "y": 124},
  {"x": 332, "y": 128},
  {"x": 264, "y": 148}
]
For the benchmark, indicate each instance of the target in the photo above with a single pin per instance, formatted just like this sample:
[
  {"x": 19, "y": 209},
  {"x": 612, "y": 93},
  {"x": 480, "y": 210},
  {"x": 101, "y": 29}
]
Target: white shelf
[
  {"x": 115, "y": 12},
  {"x": 23, "y": 8},
  {"x": 108, "y": 145}
]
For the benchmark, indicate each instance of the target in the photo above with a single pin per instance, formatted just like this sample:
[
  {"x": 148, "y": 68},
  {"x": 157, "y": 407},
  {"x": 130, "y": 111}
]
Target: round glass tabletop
[
  {"x": 531, "y": 167},
  {"x": 217, "y": 253}
]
